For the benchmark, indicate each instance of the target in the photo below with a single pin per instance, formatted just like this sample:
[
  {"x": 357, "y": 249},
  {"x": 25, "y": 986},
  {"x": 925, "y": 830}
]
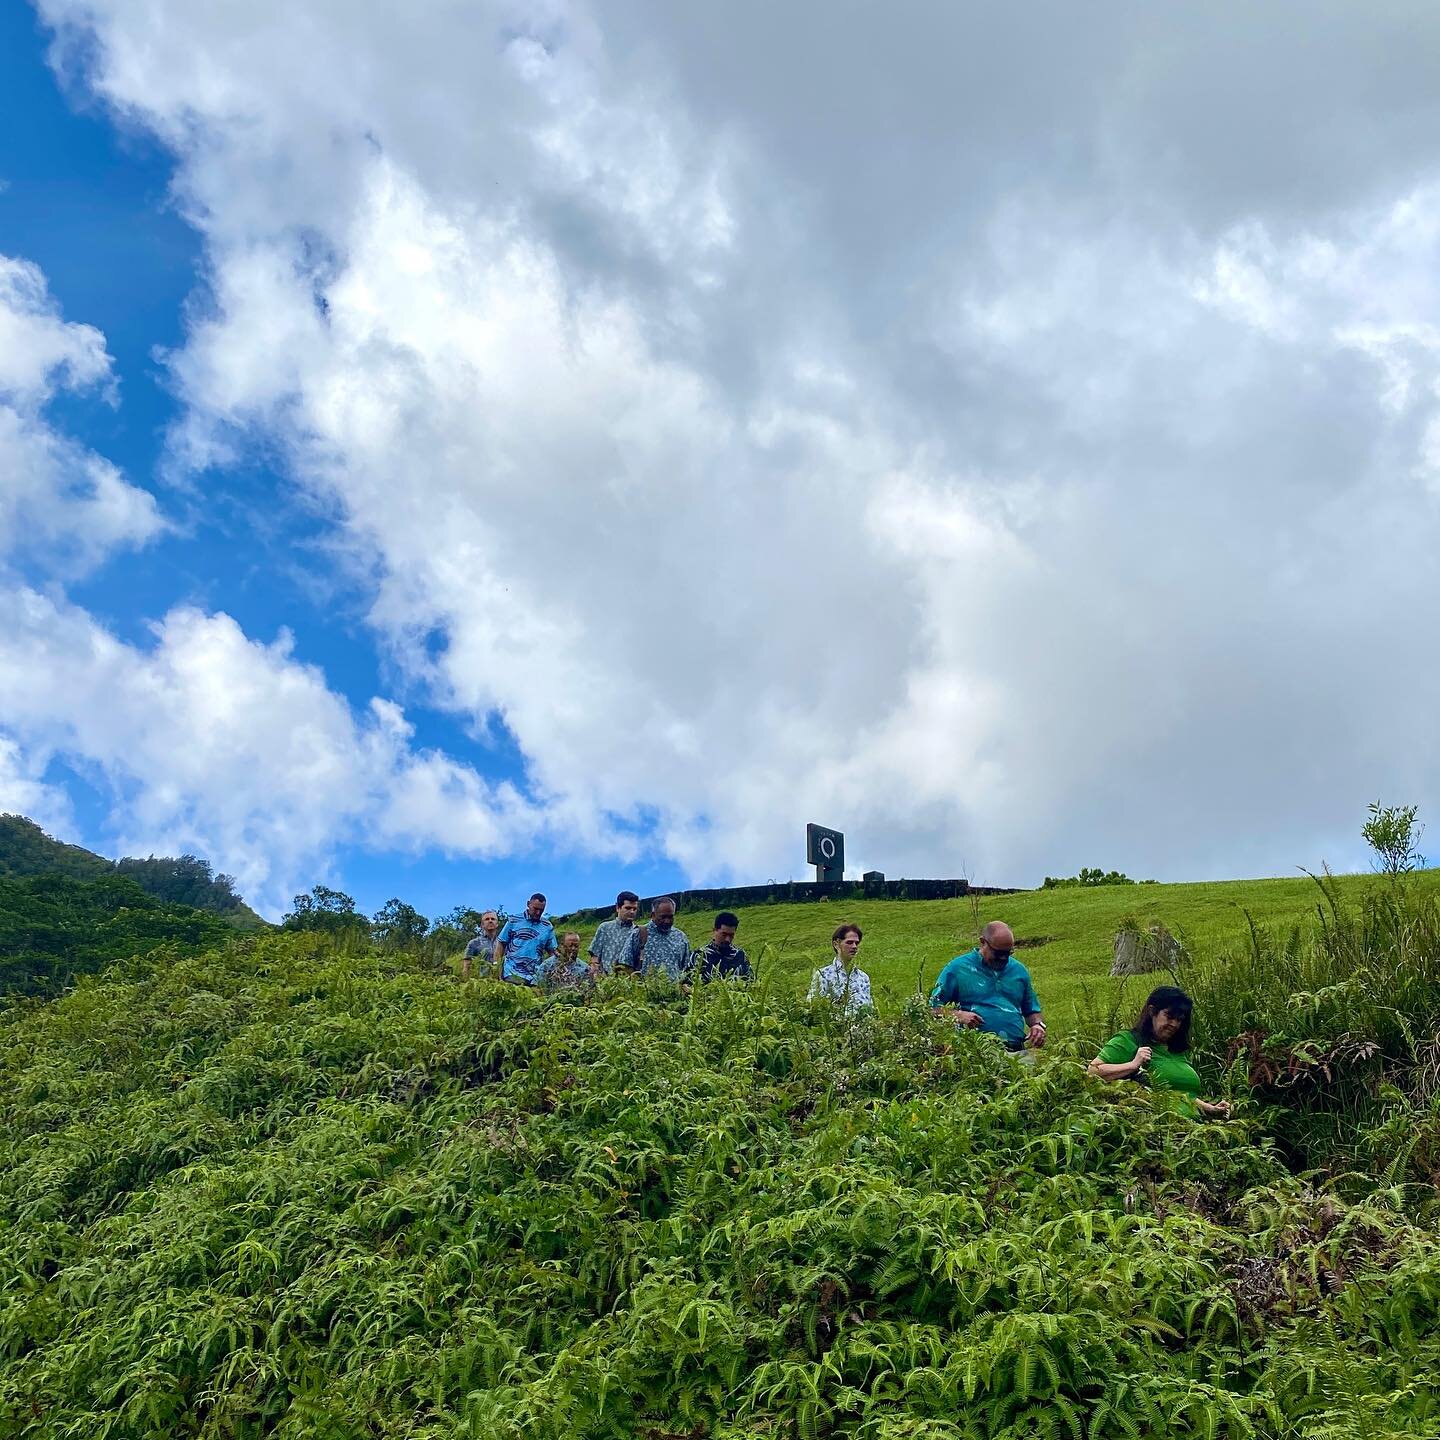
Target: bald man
[{"x": 988, "y": 989}]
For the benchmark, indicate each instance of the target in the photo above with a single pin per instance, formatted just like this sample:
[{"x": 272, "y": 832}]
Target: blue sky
[
  {"x": 89, "y": 202},
  {"x": 509, "y": 445}
]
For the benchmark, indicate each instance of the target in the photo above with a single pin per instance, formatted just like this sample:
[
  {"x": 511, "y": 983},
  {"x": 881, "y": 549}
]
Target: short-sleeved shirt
[
  {"x": 611, "y": 945},
  {"x": 1166, "y": 1070},
  {"x": 1001, "y": 998},
  {"x": 482, "y": 947},
  {"x": 527, "y": 942},
  {"x": 850, "y": 989},
  {"x": 731, "y": 963},
  {"x": 560, "y": 974},
  {"x": 666, "y": 953}
]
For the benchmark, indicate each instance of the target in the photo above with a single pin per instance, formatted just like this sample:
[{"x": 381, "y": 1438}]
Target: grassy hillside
[
  {"x": 907, "y": 941},
  {"x": 284, "y": 1190}
]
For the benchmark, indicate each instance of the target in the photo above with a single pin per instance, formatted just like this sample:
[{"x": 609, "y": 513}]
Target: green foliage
[
  {"x": 328, "y": 911},
  {"x": 1089, "y": 878},
  {"x": 25, "y": 849},
  {"x": 397, "y": 925},
  {"x": 295, "y": 1188},
  {"x": 184, "y": 881},
  {"x": 1392, "y": 833},
  {"x": 54, "y": 928}
]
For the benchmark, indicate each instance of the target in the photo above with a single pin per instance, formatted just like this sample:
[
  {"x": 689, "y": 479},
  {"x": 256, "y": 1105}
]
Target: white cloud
[
  {"x": 23, "y": 790},
  {"x": 56, "y": 498},
  {"x": 1017, "y": 451},
  {"x": 211, "y": 742}
]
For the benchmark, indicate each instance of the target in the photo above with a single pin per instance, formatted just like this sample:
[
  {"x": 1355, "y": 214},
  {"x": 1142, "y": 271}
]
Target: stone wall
[{"x": 798, "y": 892}]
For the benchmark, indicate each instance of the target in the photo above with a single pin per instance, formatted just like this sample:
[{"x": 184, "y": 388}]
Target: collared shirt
[
  {"x": 729, "y": 963},
  {"x": 611, "y": 945},
  {"x": 850, "y": 989},
  {"x": 557, "y": 973},
  {"x": 482, "y": 947},
  {"x": 527, "y": 942},
  {"x": 664, "y": 952},
  {"x": 1001, "y": 998}
]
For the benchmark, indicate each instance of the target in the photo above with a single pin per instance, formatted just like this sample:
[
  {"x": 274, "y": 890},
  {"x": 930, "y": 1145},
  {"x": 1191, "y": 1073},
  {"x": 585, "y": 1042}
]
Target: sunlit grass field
[{"x": 908, "y": 941}]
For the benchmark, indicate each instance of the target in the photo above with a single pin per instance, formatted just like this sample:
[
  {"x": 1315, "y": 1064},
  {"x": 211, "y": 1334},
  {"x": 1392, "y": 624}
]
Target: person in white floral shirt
[{"x": 842, "y": 980}]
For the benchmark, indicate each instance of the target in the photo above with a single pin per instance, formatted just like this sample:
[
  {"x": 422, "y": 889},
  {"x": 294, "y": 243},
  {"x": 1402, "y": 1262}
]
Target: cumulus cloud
[
  {"x": 1009, "y": 437},
  {"x": 211, "y": 742},
  {"x": 57, "y": 499}
]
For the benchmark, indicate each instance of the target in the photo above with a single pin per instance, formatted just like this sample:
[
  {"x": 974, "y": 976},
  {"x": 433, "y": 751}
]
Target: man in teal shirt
[{"x": 987, "y": 989}]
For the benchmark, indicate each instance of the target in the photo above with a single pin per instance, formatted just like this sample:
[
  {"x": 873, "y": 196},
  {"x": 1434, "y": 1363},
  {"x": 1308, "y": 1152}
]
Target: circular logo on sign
[{"x": 827, "y": 847}]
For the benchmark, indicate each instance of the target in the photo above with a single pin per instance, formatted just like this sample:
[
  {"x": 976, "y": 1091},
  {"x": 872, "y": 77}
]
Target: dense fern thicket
[
  {"x": 282, "y": 1190},
  {"x": 55, "y": 928},
  {"x": 26, "y": 850}
]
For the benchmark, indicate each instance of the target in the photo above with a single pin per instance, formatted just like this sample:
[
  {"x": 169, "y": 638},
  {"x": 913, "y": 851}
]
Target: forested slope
[
  {"x": 26, "y": 851},
  {"x": 277, "y": 1189}
]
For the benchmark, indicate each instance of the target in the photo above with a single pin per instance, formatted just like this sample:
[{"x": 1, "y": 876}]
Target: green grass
[{"x": 907, "y": 941}]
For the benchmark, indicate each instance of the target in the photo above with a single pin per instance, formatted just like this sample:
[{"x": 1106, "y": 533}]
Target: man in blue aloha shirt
[
  {"x": 525, "y": 943},
  {"x": 661, "y": 947},
  {"x": 987, "y": 989}
]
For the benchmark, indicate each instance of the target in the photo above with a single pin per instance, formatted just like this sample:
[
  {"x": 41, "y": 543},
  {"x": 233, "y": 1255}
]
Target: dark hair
[
  {"x": 625, "y": 897},
  {"x": 841, "y": 931},
  {"x": 726, "y": 918},
  {"x": 1174, "y": 1002},
  {"x": 537, "y": 896}
]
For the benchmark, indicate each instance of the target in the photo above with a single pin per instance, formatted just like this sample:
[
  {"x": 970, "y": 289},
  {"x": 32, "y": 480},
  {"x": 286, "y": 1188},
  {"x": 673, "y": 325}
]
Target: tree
[
  {"x": 397, "y": 925},
  {"x": 1391, "y": 832},
  {"x": 324, "y": 909}
]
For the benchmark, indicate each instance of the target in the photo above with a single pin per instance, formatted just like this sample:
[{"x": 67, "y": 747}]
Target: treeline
[
  {"x": 55, "y": 928},
  {"x": 395, "y": 926},
  {"x": 25, "y": 849}
]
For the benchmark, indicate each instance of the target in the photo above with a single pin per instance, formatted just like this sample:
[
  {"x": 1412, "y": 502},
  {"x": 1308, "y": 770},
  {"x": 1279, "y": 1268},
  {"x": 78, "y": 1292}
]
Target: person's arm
[
  {"x": 1214, "y": 1109},
  {"x": 1030, "y": 1011},
  {"x": 945, "y": 998},
  {"x": 1109, "y": 1064},
  {"x": 501, "y": 940}
]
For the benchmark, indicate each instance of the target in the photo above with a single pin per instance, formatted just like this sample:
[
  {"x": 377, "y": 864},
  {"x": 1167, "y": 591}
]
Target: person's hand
[
  {"x": 1142, "y": 1057},
  {"x": 968, "y": 1018},
  {"x": 1037, "y": 1034},
  {"x": 1218, "y": 1108}
]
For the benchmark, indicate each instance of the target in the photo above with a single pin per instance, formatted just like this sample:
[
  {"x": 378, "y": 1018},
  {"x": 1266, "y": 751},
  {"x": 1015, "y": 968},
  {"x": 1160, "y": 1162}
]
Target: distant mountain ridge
[{"x": 26, "y": 851}]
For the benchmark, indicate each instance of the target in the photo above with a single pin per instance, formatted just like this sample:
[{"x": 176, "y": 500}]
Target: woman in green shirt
[{"x": 1153, "y": 1052}]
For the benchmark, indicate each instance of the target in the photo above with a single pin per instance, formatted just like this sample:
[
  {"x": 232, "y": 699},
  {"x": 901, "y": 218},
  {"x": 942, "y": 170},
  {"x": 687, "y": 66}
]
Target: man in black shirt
[{"x": 722, "y": 958}]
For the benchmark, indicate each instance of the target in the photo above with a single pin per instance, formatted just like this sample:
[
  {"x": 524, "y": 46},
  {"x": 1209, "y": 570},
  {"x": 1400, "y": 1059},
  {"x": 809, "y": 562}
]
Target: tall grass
[{"x": 1335, "y": 1024}]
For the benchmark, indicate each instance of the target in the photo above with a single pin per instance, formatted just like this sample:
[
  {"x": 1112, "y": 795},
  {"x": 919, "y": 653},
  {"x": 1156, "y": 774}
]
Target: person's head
[
  {"x": 726, "y": 925},
  {"x": 846, "y": 941},
  {"x": 997, "y": 944},
  {"x": 535, "y": 906},
  {"x": 490, "y": 923},
  {"x": 570, "y": 944},
  {"x": 627, "y": 905},
  {"x": 1165, "y": 1019},
  {"x": 662, "y": 914}
]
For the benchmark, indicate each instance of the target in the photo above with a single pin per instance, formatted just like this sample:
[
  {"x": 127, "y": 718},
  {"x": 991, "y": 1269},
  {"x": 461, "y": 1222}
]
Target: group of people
[
  {"x": 988, "y": 989},
  {"x": 526, "y": 950},
  {"x": 985, "y": 989}
]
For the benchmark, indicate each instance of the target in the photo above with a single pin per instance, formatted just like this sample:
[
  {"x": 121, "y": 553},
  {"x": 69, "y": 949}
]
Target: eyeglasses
[{"x": 996, "y": 951}]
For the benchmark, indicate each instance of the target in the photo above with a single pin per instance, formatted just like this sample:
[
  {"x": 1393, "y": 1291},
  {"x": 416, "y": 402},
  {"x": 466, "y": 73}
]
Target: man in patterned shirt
[
  {"x": 525, "y": 944},
  {"x": 610, "y": 949},
  {"x": 842, "y": 980},
  {"x": 661, "y": 947}
]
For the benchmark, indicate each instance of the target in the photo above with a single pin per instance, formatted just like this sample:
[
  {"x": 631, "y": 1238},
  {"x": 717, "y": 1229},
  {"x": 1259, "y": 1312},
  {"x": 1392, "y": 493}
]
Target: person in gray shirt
[
  {"x": 482, "y": 947},
  {"x": 661, "y": 947},
  {"x": 610, "y": 949}
]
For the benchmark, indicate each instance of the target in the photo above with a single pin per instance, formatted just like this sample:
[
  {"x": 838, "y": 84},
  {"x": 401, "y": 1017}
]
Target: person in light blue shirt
[
  {"x": 525, "y": 943},
  {"x": 987, "y": 989}
]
